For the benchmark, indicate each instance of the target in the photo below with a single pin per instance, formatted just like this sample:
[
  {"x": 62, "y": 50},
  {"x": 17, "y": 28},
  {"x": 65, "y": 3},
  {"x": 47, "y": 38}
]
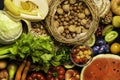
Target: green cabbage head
[{"x": 9, "y": 30}]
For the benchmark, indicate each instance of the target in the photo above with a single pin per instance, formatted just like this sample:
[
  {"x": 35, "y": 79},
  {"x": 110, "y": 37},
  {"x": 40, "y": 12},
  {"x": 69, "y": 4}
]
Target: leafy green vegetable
[
  {"x": 10, "y": 30},
  {"x": 63, "y": 55},
  {"x": 40, "y": 50}
]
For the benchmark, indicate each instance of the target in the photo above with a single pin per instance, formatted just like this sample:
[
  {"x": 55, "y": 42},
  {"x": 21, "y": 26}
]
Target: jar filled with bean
[{"x": 72, "y": 18}]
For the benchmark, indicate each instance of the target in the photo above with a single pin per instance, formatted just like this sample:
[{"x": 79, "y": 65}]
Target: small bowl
[{"x": 81, "y": 55}]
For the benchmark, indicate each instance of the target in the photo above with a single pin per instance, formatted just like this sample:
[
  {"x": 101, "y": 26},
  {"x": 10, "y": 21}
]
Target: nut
[
  {"x": 56, "y": 23},
  {"x": 81, "y": 15},
  {"x": 83, "y": 22},
  {"x": 60, "y": 11},
  {"x": 60, "y": 29},
  {"x": 78, "y": 29},
  {"x": 66, "y": 7},
  {"x": 72, "y": 1},
  {"x": 72, "y": 28},
  {"x": 87, "y": 12}
]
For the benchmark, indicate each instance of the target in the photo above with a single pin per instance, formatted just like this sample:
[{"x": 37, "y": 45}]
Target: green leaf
[{"x": 46, "y": 57}]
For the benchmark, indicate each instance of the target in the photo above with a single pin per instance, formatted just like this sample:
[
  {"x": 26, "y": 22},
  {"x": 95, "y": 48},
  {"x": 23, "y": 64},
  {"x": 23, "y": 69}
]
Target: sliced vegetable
[
  {"x": 107, "y": 29},
  {"x": 34, "y": 10},
  {"x": 91, "y": 41},
  {"x": 69, "y": 65}
]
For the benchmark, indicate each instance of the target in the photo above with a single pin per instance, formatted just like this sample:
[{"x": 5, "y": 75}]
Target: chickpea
[{"x": 60, "y": 11}]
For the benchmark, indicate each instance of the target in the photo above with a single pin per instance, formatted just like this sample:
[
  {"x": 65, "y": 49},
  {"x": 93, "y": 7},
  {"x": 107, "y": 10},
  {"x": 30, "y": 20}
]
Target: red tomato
[{"x": 56, "y": 73}]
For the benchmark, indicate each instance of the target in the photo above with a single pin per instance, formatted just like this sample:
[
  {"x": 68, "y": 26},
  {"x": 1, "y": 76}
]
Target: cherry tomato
[
  {"x": 56, "y": 73},
  {"x": 36, "y": 76}
]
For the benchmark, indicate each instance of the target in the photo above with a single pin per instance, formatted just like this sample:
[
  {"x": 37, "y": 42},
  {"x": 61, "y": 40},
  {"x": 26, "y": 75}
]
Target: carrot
[
  {"x": 25, "y": 71},
  {"x": 19, "y": 71}
]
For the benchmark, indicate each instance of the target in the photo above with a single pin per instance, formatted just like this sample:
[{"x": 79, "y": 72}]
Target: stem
[
  {"x": 55, "y": 74},
  {"x": 4, "y": 51},
  {"x": 4, "y": 56}
]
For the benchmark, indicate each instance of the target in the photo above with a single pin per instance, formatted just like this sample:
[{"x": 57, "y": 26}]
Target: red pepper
[{"x": 56, "y": 73}]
